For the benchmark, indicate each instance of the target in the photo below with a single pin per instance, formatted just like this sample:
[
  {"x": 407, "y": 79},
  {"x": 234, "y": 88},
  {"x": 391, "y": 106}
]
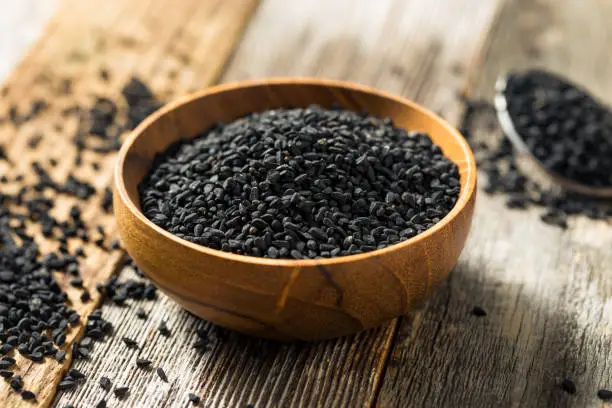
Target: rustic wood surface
[
  {"x": 546, "y": 291},
  {"x": 399, "y": 53},
  {"x": 150, "y": 39}
]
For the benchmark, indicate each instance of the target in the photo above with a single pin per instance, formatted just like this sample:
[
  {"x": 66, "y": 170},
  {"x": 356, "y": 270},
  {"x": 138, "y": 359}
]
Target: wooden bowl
[{"x": 282, "y": 298}]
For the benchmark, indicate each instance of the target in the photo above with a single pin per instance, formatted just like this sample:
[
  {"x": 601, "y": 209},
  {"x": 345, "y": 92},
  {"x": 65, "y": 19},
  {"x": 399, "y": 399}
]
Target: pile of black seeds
[
  {"x": 498, "y": 159},
  {"x": 36, "y": 315},
  {"x": 567, "y": 129},
  {"x": 301, "y": 183}
]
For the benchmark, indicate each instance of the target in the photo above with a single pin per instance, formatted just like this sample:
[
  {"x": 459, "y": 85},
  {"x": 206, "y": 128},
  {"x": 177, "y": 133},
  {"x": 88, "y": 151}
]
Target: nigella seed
[
  {"x": 315, "y": 180},
  {"x": 66, "y": 385},
  {"x": 568, "y": 386},
  {"x": 194, "y": 399},
  {"x": 74, "y": 373},
  {"x": 36, "y": 356},
  {"x": 105, "y": 383},
  {"x": 8, "y": 359},
  {"x": 479, "y": 311},
  {"x": 121, "y": 392},
  {"x": 604, "y": 395},
  {"x": 140, "y": 313},
  {"x": 5, "y": 365},
  {"x": 28, "y": 395},
  {"x": 77, "y": 283},
  {"x": 162, "y": 374},
  {"x": 163, "y": 329},
  {"x": 85, "y": 297},
  {"x": 142, "y": 363},
  {"x": 101, "y": 404},
  {"x": 129, "y": 342},
  {"x": 6, "y": 373},
  {"x": 565, "y": 128},
  {"x": 16, "y": 382},
  {"x": 60, "y": 356}
]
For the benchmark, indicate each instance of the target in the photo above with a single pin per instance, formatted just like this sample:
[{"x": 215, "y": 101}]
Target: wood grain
[
  {"x": 547, "y": 291},
  {"x": 137, "y": 37},
  {"x": 422, "y": 50}
]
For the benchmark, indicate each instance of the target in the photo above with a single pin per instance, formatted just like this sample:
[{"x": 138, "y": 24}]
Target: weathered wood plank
[
  {"x": 147, "y": 38},
  {"x": 547, "y": 291},
  {"x": 407, "y": 47}
]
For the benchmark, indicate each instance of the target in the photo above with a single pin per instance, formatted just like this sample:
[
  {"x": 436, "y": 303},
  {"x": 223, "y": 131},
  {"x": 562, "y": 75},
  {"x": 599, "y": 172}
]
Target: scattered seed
[
  {"x": 479, "y": 311},
  {"x": 60, "y": 356},
  {"x": 101, "y": 404},
  {"x": 4, "y": 365},
  {"x": 6, "y": 373},
  {"x": 74, "y": 373},
  {"x": 16, "y": 382},
  {"x": 28, "y": 395},
  {"x": 162, "y": 374},
  {"x": 121, "y": 392},
  {"x": 130, "y": 343},
  {"x": 194, "y": 399},
  {"x": 66, "y": 385},
  {"x": 604, "y": 395},
  {"x": 568, "y": 386},
  {"x": 105, "y": 383},
  {"x": 142, "y": 363},
  {"x": 140, "y": 313},
  {"x": 163, "y": 329}
]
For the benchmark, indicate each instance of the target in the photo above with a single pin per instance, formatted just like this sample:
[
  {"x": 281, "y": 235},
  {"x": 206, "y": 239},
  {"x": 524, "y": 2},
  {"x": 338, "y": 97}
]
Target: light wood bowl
[{"x": 282, "y": 298}]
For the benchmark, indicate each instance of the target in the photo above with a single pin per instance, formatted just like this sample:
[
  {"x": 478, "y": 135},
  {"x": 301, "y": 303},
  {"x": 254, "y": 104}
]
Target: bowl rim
[{"x": 464, "y": 198}]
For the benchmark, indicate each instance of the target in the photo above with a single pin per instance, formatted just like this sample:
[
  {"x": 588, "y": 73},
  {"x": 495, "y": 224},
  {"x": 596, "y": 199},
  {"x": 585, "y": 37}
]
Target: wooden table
[{"x": 547, "y": 291}]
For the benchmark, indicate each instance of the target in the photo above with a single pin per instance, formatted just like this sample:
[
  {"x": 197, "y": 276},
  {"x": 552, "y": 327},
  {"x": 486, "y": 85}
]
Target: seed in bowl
[{"x": 300, "y": 183}]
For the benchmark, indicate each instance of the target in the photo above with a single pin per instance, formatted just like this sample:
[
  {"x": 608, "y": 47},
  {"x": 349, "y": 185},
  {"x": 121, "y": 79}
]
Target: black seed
[
  {"x": 314, "y": 181},
  {"x": 60, "y": 356},
  {"x": 568, "y": 386},
  {"x": 478, "y": 311},
  {"x": 6, "y": 373},
  {"x": 77, "y": 283},
  {"x": 105, "y": 383},
  {"x": 85, "y": 297},
  {"x": 16, "y": 382},
  {"x": 543, "y": 113},
  {"x": 66, "y": 385},
  {"x": 27, "y": 395},
  {"x": 36, "y": 356},
  {"x": 121, "y": 392},
  {"x": 140, "y": 313},
  {"x": 163, "y": 329},
  {"x": 604, "y": 395},
  {"x": 142, "y": 363},
  {"x": 194, "y": 399},
  {"x": 162, "y": 374},
  {"x": 5, "y": 365},
  {"x": 130, "y": 343},
  {"x": 101, "y": 404},
  {"x": 74, "y": 373}
]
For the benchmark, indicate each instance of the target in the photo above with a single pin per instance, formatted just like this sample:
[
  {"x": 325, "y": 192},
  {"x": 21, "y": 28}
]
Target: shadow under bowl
[{"x": 283, "y": 298}]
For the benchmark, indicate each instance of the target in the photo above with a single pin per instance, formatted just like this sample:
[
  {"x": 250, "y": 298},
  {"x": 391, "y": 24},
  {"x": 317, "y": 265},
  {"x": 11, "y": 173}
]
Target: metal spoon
[{"x": 507, "y": 125}]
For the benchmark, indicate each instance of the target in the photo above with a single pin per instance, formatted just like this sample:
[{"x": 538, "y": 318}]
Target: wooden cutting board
[{"x": 175, "y": 46}]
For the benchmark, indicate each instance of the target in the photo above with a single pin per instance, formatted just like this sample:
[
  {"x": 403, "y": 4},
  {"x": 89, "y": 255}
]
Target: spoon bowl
[
  {"x": 507, "y": 125},
  {"x": 283, "y": 298}
]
